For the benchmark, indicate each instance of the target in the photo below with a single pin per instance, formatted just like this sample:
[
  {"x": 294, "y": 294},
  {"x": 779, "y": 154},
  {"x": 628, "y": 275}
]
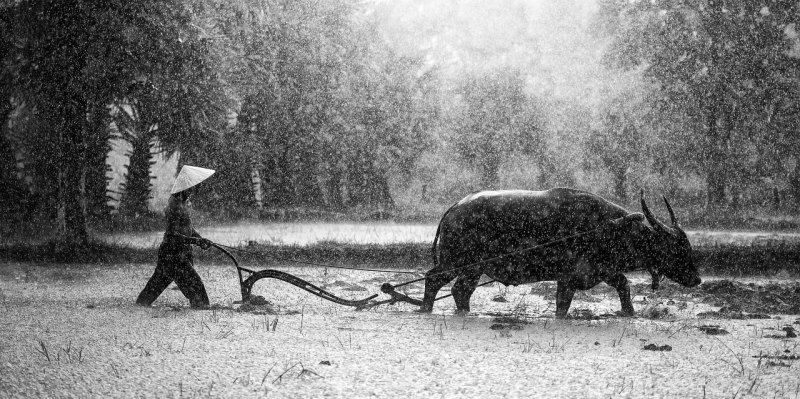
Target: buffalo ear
[{"x": 631, "y": 217}]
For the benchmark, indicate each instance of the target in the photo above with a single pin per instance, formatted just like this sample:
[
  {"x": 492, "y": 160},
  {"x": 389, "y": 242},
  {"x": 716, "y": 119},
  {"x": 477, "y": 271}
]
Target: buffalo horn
[
  {"x": 671, "y": 214},
  {"x": 657, "y": 224}
]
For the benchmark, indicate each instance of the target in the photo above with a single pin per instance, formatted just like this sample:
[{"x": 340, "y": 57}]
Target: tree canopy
[
  {"x": 344, "y": 104},
  {"x": 725, "y": 64}
]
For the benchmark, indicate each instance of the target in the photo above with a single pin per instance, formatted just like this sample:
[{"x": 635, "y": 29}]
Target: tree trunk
[
  {"x": 71, "y": 208},
  {"x": 98, "y": 168},
  {"x": 12, "y": 194},
  {"x": 306, "y": 188},
  {"x": 383, "y": 193},
  {"x": 256, "y": 187},
  {"x": 137, "y": 187}
]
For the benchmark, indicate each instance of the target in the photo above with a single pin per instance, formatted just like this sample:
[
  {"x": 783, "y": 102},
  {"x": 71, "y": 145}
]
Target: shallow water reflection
[
  {"x": 386, "y": 233},
  {"x": 296, "y": 234}
]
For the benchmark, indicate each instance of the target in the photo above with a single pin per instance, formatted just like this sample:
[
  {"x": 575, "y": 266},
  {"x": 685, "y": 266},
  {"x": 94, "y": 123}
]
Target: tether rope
[
  {"x": 479, "y": 285},
  {"x": 389, "y": 288},
  {"x": 427, "y": 275},
  {"x": 495, "y": 258}
]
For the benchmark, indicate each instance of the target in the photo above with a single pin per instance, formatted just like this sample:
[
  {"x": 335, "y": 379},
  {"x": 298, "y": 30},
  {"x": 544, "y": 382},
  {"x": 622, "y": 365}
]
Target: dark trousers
[{"x": 175, "y": 264}]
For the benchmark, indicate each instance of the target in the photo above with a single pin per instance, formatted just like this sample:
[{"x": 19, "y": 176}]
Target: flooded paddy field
[{"x": 73, "y": 331}]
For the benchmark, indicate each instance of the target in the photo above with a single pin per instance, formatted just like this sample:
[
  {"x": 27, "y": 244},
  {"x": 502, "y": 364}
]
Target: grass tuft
[{"x": 67, "y": 355}]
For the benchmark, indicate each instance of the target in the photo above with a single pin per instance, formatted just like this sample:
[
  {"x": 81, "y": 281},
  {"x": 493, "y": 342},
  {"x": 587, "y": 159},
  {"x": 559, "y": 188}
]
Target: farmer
[{"x": 175, "y": 253}]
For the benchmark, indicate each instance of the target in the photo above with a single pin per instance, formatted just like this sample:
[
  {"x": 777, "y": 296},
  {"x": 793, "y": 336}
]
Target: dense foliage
[
  {"x": 341, "y": 104},
  {"x": 730, "y": 69}
]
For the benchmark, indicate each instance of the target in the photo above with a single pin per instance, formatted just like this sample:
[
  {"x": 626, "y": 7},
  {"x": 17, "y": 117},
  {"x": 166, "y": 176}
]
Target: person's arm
[
  {"x": 179, "y": 225},
  {"x": 199, "y": 240}
]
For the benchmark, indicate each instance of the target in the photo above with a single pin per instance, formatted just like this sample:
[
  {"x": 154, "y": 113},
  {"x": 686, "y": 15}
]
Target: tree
[
  {"x": 98, "y": 147},
  {"x": 718, "y": 59},
  {"x": 779, "y": 145},
  {"x": 290, "y": 54},
  {"x": 13, "y": 192},
  {"x": 618, "y": 146},
  {"x": 390, "y": 104},
  {"x": 72, "y": 59},
  {"x": 138, "y": 131},
  {"x": 497, "y": 118},
  {"x": 330, "y": 110},
  {"x": 180, "y": 108}
]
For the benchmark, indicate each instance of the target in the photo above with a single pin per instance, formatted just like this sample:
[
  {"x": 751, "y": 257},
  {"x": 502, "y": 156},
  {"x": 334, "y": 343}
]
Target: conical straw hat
[{"x": 190, "y": 176}]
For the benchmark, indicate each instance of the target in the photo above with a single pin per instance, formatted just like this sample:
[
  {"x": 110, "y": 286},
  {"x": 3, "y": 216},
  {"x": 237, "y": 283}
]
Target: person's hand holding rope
[{"x": 204, "y": 243}]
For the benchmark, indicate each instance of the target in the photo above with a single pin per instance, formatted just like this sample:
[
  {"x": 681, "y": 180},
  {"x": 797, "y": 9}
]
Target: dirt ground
[{"x": 73, "y": 331}]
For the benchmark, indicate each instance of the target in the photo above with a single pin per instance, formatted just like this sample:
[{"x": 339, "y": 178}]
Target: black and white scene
[{"x": 399, "y": 198}]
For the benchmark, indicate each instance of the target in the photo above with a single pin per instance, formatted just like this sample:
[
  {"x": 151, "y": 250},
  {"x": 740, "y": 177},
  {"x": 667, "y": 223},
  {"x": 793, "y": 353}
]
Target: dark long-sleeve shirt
[{"x": 179, "y": 226}]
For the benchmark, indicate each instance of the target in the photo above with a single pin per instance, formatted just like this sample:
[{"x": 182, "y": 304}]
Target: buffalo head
[{"x": 671, "y": 252}]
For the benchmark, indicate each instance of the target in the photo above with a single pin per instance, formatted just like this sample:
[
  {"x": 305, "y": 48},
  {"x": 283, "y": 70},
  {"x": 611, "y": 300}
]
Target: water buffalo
[{"x": 588, "y": 240}]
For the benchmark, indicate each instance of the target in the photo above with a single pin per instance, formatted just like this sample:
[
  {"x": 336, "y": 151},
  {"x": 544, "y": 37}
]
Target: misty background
[{"x": 394, "y": 109}]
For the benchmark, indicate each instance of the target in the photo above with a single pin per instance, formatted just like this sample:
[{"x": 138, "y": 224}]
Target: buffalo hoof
[{"x": 461, "y": 312}]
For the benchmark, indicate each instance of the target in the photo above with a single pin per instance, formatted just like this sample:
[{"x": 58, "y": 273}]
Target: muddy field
[{"x": 72, "y": 331}]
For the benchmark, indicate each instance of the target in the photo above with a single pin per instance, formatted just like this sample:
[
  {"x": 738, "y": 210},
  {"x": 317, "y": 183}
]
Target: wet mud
[
  {"x": 735, "y": 299},
  {"x": 742, "y": 300}
]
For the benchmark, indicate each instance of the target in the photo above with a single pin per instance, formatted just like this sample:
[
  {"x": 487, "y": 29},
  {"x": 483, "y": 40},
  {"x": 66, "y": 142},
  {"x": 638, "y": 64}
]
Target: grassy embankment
[{"x": 730, "y": 259}]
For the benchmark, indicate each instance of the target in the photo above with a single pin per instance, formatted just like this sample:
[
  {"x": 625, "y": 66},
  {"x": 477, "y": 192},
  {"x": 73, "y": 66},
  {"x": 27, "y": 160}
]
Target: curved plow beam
[{"x": 247, "y": 286}]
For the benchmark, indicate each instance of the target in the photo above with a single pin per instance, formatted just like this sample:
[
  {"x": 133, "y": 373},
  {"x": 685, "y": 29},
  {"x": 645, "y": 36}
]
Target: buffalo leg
[
  {"x": 620, "y": 282},
  {"x": 462, "y": 290},
  {"x": 564, "y": 294},
  {"x": 435, "y": 279}
]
